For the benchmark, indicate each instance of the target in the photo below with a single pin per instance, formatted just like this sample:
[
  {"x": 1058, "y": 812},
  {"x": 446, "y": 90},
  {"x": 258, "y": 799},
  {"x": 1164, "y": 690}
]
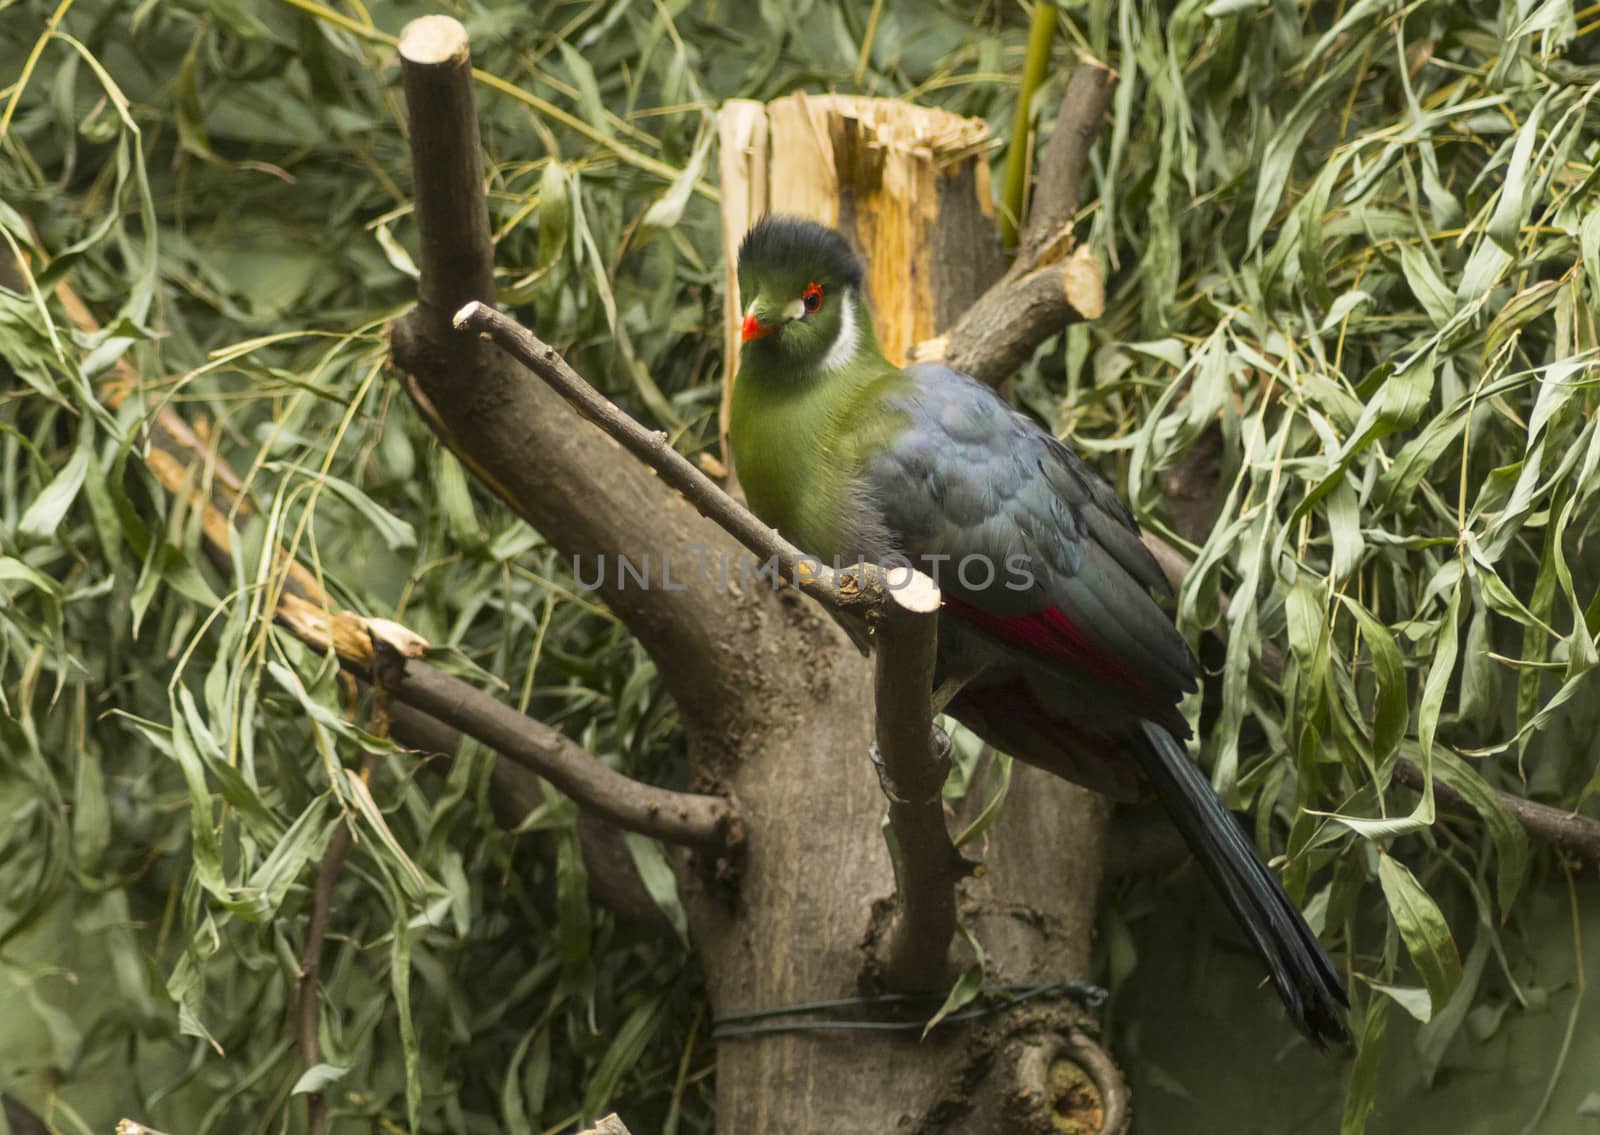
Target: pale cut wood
[
  {"x": 1085, "y": 287},
  {"x": 742, "y": 167},
  {"x": 909, "y": 185},
  {"x": 432, "y": 40}
]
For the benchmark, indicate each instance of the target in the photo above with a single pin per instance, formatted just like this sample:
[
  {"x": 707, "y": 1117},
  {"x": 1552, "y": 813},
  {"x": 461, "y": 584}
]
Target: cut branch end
[
  {"x": 463, "y": 318},
  {"x": 432, "y": 40}
]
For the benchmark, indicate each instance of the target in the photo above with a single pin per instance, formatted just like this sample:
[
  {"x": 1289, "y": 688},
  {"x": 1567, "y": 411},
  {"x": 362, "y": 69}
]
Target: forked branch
[
  {"x": 518, "y": 438},
  {"x": 903, "y": 612}
]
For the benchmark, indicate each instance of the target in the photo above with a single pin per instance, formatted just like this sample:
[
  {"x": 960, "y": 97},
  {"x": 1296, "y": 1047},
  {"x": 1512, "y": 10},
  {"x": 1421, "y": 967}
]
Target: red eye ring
[{"x": 812, "y": 298}]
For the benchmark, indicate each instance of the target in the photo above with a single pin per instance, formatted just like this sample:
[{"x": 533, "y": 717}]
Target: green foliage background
[{"x": 1363, "y": 237}]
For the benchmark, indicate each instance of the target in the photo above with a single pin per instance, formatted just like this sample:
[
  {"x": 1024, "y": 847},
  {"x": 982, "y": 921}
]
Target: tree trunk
[{"x": 909, "y": 186}]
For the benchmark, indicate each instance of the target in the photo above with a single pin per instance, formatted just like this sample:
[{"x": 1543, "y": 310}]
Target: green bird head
[{"x": 801, "y": 285}]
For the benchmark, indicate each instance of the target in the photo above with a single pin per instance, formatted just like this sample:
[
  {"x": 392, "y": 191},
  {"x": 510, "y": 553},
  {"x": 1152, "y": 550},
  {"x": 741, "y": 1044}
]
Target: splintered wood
[{"x": 907, "y": 184}]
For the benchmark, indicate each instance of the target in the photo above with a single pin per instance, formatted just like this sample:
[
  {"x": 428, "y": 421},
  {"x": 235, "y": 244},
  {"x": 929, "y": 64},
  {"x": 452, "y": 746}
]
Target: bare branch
[
  {"x": 1066, "y": 159},
  {"x": 1000, "y": 332},
  {"x": 916, "y": 956},
  {"x": 705, "y": 822},
  {"x": 457, "y": 253},
  {"x": 1576, "y": 834},
  {"x": 708, "y": 823},
  {"x": 1048, "y": 286},
  {"x": 519, "y": 439}
]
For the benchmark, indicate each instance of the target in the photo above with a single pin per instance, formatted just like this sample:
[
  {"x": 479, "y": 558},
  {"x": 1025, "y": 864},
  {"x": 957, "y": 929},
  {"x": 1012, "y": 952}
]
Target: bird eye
[{"x": 812, "y": 298}]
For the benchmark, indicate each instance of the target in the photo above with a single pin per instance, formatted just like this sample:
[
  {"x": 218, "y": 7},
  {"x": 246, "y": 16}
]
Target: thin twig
[
  {"x": 1572, "y": 832},
  {"x": 308, "y": 1008}
]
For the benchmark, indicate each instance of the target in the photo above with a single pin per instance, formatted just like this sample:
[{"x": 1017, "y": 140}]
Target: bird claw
[
  {"x": 885, "y": 781},
  {"x": 939, "y": 750}
]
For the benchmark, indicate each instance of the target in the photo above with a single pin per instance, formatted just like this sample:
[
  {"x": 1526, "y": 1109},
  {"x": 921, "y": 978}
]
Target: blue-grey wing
[{"x": 1029, "y": 543}]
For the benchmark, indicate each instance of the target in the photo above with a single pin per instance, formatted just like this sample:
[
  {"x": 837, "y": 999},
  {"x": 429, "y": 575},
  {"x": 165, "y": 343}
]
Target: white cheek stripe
[{"x": 849, "y": 338}]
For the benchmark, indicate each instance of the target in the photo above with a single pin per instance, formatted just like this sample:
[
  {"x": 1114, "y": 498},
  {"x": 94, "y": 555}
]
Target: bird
[{"x": 1052, "y": 644}]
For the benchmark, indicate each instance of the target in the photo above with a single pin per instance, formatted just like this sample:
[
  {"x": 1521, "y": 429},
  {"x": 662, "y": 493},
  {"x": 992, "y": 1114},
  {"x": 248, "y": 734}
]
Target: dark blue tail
[{"x": 1301, "y": 970}]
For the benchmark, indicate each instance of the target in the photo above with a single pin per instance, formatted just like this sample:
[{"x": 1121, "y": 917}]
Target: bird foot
[
  {"x": 885, "y": 781},
  {"x": 938, "y": 750}
]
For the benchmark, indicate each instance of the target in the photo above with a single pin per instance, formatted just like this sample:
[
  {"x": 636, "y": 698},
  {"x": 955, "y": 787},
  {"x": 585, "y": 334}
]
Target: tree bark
[{"x": 916, "y": 949}]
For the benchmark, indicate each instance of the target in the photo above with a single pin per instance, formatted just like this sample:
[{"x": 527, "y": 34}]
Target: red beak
[{"x": 755, "y": 329}]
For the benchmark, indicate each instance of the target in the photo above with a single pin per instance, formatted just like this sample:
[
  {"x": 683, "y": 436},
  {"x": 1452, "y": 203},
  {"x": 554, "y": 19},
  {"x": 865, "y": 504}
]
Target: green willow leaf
[
  {"x": 968, "y": 984},
  {"x": 1361, "y": 1089},
  {"x": 1422, "y": 928},
  {"x": 623, "y": 1054},
  {"x": 1392, "y": 707},
  {"x": 659, "y": 881},
  {"x": 49, "y": 508},
  {"x": 1511, "y": 213},
  {"x": 317, "y": 1077}
]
